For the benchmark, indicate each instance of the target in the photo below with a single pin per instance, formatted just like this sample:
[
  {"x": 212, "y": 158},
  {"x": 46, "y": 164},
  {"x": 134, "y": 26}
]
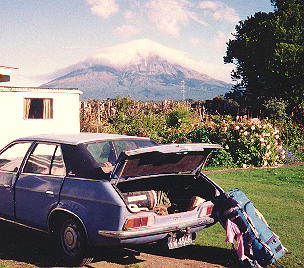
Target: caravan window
[{"x": 37, "y": 108}]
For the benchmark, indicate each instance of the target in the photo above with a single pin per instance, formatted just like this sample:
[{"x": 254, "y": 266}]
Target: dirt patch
[
  {"x": 27, "y": 249},
  {"x": 146, "y": 260},
  {"x": 190, "y": 256}
]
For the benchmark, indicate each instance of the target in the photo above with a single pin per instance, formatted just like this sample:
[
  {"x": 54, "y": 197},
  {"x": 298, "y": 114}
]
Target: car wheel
[{"x": 71, "y": 242}]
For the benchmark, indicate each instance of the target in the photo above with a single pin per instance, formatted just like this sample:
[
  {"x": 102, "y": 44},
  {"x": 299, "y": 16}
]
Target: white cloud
[
  {"x": 128, "y": 15},
  {"x": 209, "y": 5},
  {"x": 220, "y": 11},
  {"x": 217, "y": 71},
  {"x": 197, "y": 19},
  {"x": 129, "y": 52},
  {"x": 169, "y": 15},
  {"x": 103, "y": 8},
  {"x": 221, "y": 40},
  {"x": 195, "y": 41},
  {"x": 126, "y": 31}
]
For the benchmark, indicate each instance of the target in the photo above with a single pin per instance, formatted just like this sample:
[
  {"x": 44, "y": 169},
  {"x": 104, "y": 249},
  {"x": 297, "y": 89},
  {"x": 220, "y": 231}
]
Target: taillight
[
  {"x": 206, "y": 211},
  {"x": 138, "y": 222},
  {"x": 209, "y": 210}
]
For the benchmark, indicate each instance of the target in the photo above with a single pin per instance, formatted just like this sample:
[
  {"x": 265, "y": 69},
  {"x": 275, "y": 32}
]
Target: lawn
[{"x": 279, "y": 194}]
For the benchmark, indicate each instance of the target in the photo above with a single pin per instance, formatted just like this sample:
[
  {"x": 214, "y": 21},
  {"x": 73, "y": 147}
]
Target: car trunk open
[{"x": 165, "y": 179}]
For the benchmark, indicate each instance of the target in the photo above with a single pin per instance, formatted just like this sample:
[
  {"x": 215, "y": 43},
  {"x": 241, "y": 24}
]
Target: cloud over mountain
[
  {"x": 130, "y": 52},
  {"x": 143, "y": 69}
]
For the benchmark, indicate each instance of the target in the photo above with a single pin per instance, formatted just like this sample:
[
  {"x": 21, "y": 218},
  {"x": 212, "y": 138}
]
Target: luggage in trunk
[
  {"x": 168, "y": 194},
  {"x": 257, "y": 244}
]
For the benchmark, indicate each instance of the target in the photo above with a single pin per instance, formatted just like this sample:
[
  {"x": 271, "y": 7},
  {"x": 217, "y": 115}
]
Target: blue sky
[{"x": 42, "y": 36}]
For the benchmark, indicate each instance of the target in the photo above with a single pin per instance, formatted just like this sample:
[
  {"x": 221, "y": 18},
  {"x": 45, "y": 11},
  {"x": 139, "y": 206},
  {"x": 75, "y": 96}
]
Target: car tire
[{"x": 71, "y": 242}]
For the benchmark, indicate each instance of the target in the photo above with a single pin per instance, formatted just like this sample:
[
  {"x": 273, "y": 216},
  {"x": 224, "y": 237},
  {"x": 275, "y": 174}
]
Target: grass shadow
[
  {"x": 32, "y": 247},
  {"x": 18, "y": 244},
  {"x": 27, "y": 246}
]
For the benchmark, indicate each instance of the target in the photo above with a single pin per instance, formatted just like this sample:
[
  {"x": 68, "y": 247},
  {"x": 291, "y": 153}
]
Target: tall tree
[{"x": 268, "y": 51}]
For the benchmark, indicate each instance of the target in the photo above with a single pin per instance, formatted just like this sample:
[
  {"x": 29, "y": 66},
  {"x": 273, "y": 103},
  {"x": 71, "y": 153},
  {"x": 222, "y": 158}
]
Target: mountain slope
[{"x": 147, "y": 73}]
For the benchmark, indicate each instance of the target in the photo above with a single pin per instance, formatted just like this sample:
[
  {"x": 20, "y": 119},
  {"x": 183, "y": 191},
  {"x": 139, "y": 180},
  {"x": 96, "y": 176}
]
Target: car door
[
  {"x": 10, "y": 162},
  {"x": 39, "y": 184}
]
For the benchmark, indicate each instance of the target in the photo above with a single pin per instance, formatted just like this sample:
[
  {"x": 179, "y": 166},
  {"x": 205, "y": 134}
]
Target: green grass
[{"x": 279, "y": 194}]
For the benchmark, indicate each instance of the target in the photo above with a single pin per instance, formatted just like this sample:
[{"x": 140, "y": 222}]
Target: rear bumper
[{"x": 148, "y": 231}]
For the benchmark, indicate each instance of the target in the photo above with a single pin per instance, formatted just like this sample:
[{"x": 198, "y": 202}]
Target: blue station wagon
[{"x": 90, "y": 190}]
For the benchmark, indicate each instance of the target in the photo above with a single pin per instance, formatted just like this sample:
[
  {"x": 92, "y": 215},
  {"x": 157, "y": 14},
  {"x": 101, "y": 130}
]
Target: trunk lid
[{"x": 162, "y": 160}]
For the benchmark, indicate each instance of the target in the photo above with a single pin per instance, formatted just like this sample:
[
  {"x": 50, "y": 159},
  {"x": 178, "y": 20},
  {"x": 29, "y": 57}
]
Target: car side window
[
  {"x": 45, "y": 159},
  {"x": 11, "y": 158},
  {"x": 58, "y": 167}
]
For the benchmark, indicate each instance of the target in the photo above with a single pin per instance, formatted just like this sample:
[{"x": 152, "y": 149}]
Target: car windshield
[{"x": 109, "y": 151}]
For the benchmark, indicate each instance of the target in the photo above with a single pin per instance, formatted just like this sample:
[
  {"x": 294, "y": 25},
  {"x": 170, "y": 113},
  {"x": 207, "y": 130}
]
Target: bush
[
  {"x": 247, "y": 141},
  {"x": 178, "y": 117},
  {"x": 293, "y": 135},
  {"x": 291, "y": 128},
  {"x": 143, "y": 124},
  {"x": 220, "y": 158},
  {"x": 275, "y": 110},
  {"x": 250, "y": 141}
]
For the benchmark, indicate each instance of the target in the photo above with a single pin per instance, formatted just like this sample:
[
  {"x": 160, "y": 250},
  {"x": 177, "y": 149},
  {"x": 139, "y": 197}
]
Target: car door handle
[
  {"x": 49, "y": 192},
  {"x": 5, "y": 185}
]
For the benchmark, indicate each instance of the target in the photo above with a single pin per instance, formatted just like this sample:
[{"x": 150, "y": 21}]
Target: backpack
[{"x": 260, "y": 245}]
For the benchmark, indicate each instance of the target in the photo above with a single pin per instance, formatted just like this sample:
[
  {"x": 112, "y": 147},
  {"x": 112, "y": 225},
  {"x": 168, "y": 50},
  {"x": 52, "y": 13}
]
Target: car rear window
[
  {"x": 106, "y": 151},
  {"x": 102, "y": 152},
  {"x": 127, "y": 145}
]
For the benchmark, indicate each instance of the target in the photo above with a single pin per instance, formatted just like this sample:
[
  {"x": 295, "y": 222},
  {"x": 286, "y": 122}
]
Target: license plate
[{"x": 179, "y": 241}]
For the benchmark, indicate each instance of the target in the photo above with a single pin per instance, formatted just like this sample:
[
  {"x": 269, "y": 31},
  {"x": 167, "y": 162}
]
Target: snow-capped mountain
[{"x": 142, "y": 69}]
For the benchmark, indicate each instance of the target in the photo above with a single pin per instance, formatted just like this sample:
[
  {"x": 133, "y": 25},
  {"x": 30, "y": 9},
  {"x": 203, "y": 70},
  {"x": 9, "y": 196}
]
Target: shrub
[
  {"x": 247, "y": 141},
  {"x": 178, "y": 117},
  {"x": 275, "y": 109},
  {"x": 144, "y": 124},
  {"x": 293, "y": 135},
  {"x": 250, "y": 141},
  {"x": 220, "y": 158}
]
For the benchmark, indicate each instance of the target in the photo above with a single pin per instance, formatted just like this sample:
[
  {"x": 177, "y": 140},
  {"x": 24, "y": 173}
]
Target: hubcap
[{"x": 70, "y": 238}]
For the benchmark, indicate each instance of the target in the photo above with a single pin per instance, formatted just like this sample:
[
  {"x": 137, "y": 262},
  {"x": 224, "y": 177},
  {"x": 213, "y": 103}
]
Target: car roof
[{"x": 78, "y": 138}]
